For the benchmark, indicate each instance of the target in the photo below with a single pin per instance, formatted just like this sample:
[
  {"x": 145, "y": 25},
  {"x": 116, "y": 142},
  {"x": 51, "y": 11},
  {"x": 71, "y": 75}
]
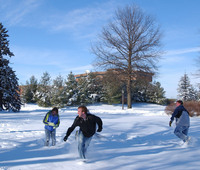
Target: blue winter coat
[
  {"x": 181, "y": 115},
  {"x": 49, "y": 119}
]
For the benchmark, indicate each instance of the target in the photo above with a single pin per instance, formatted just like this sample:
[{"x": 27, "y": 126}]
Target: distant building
[{"x": 137, "y": 75}]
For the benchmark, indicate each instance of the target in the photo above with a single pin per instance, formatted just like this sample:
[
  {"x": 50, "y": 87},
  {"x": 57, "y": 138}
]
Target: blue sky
[{"x": 55, "y": 36}]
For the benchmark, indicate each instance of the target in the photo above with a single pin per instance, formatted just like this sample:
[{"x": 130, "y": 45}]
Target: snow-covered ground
[{"x": 133, "y": 139}]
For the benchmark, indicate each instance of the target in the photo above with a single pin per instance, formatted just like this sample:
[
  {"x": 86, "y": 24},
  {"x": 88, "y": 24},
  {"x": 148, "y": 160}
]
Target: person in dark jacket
[
  {"x": 87, "y": 123},
  {"x": 182, "y": 121},
  {"x": 51, "y": 121}
]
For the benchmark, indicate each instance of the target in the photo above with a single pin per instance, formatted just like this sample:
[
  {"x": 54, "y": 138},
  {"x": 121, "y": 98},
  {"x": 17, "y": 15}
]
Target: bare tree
[{"x": 130, "y": 43}]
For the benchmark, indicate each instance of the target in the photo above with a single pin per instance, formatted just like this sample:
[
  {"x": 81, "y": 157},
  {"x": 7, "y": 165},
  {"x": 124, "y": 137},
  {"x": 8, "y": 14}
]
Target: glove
[
  {"x": 170, "y": 123},
  {"x": 65, "y": 138},
  {"x": 99, "y": 130},
  {"x": 51, "y": 124}
]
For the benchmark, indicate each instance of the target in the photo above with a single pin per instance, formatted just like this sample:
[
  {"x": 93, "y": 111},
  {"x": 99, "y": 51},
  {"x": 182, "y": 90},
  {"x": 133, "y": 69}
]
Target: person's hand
[
  {"x": 65, "y": 138},
  {"x": 99, "y": 130},
  {"x": 170, "y": 123},
  {"x": 51, "y": 124}
]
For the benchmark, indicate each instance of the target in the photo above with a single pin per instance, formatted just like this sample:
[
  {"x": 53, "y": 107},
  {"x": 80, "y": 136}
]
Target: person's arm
[
  {"x": 45, "y": 120},
  {"x": 176, "y": 111},
  {"x": 99, "y": 123},
  {"x": 58, "y": 123},
  {"x": 70, "y": 129}
]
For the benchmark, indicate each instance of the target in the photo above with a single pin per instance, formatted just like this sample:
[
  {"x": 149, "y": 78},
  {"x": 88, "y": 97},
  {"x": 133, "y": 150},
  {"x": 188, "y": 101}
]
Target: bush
[
  {"x": 170, "y": 101},
  {"x": 193, "y": 107}
]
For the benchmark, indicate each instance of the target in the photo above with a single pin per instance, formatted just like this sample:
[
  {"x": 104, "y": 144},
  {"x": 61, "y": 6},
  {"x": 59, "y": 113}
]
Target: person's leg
[
  {"x": 53, "y": 137},
  {"x": 185, "y": 131},
  {"x": 47, "y": 137},
  {"x": 87, "y": 142},
  {"x": 81, "y": 144},
  {"x": 179, "y": 132}
]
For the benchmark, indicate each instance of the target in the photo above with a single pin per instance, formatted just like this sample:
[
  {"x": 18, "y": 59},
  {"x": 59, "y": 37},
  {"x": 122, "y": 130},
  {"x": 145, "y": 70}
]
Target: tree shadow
[
  {"x": 32, "y": 152},
  {"x": 119, "y": 146}
]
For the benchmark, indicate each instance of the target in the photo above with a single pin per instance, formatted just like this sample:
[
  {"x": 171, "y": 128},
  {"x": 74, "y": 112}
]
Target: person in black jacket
[{"x": 87, "y": 123}]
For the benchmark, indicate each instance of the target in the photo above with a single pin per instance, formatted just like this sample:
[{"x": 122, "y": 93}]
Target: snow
[{"x": 132, "y": 139}]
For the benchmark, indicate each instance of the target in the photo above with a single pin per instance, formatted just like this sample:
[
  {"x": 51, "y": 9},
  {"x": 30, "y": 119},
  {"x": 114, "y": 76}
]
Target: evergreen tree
[
  {"x": 186, "y": 92},
  {"x": 70, "y": 90},
  {"x": 193, "y": 94},
  {"x": 29, "y": 90},
  {"x": 58, "y": 97},
  {"x": 140, "y": 90},
  {"x": 83, "y": 93},
  {"x": 9, "y": 88},
  {"x": 145, "y": 91},
  {"x": 43, "y": 93},
  {"x": 159, "y": 93},
  {"x": 112, "y": 87},
  {"x": 85, "y": 90},
  {"x": 95, "y": 87},
  {"x": 156, "y": 93}
]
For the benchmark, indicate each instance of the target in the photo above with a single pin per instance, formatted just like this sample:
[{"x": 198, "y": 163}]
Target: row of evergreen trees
[{"x": 60, "y": 92}]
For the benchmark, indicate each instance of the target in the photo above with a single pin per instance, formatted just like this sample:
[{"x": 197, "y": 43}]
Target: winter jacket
[
  {"x": 181, "y": 115},
  {"x": 87, "y": 126},
  {"x": 51, "y": 121}
]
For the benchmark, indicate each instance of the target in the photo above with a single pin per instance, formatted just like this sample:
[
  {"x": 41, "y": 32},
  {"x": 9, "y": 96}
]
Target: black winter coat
[{"x": 88, "y": 126}]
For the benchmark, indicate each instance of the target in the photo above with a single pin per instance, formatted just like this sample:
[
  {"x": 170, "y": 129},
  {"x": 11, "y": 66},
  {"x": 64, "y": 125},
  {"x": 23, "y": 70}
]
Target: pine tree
[
  {"x": 29, "y": 90},
  {"x": 9, "y": 88},
  {"x": 185, "y": 90},
  {"x": 112, "y": 87},
  {"x": 140, "y": 88},
  {"x": 71, "y": 90},
  {"x": 58, "y": 97},
  {"x": 156, "y": 93},
  {"x": 95, "y": 87},
  {"x": 145, "y": 91},
  {"x": 193, "y": 94},
  {"x": 83, "y": 94},
  {"x": 43, "y": 93}
]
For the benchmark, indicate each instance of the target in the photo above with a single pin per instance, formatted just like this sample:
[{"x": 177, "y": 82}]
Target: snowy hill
[{"x": 137, "y": 138}]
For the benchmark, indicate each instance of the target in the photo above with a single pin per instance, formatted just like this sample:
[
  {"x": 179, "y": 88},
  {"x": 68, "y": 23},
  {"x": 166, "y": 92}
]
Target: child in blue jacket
[{"x": 51, "y": 121}]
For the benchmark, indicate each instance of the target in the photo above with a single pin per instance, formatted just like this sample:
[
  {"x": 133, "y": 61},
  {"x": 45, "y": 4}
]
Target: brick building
[{"x": 137, "y": 75}]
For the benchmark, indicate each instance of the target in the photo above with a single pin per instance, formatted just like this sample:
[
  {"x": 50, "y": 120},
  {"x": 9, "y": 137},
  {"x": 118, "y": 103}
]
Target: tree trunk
[
  {"x": 129, "y": 101},
  {"x": 122, "y": 99}
]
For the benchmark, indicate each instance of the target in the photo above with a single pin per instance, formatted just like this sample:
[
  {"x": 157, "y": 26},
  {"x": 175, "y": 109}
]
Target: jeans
[
  {"x": 181, "y": 132},
  {"x": 51, "y": 134},
  {"x": 83, "y": 143}
]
